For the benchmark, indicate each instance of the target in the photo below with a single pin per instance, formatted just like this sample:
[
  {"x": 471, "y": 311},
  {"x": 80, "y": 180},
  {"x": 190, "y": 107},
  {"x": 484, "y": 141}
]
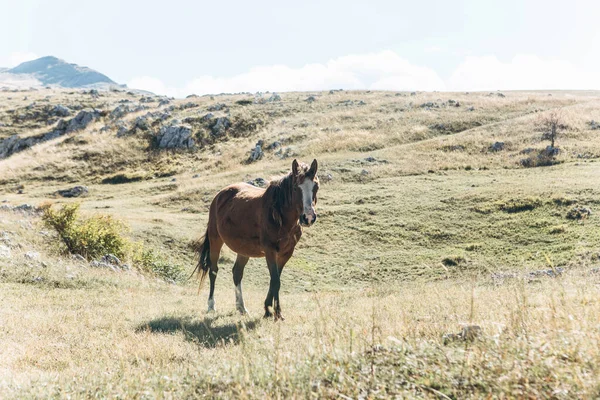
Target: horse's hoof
[
  {"x": 243, "y": 311},
  {"x": 279, "y": 317},
  {"x": 268, "y": 314}
]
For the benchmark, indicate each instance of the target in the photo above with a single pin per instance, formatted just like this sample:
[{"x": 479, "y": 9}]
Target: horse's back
[{"x": 236, "y": 212}]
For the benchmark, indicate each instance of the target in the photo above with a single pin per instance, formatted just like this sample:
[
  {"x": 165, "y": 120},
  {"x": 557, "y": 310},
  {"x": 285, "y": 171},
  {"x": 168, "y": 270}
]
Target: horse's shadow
[{"x": 204, "y": 332}]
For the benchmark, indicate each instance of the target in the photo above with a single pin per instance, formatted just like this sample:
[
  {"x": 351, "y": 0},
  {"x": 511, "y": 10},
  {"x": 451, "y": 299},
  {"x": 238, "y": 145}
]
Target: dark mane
[{"x": 280, "y": 194}]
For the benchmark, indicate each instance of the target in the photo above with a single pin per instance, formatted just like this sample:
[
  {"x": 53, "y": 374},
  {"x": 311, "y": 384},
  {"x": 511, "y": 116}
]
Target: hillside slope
[{"x": 418, "y": 201}]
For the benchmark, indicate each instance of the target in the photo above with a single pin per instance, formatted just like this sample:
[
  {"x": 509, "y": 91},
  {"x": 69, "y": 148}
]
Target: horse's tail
[{"x": 202, "y": 248}]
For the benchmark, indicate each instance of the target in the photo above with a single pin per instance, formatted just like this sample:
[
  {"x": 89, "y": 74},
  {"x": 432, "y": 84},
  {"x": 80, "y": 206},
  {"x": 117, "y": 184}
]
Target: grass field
[{"x": 423, "y": 230}]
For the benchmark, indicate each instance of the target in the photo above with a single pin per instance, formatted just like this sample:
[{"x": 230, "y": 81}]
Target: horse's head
[{"x": 306, "y": 185}]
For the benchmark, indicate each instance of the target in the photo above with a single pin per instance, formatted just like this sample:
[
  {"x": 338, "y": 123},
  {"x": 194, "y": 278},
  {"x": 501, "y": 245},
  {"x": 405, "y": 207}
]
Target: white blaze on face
[{"x": 307, "y": 199}]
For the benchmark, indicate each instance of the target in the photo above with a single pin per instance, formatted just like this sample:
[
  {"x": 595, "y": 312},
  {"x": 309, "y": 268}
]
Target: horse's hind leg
[
  {"x": 216, "y": 243},
  {"x": 238, "y": 274}
]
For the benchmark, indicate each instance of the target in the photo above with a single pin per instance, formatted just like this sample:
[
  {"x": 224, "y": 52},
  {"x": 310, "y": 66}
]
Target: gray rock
[
  {"x": 471, "y": 108},
  {"x": 176, "y": 137},
  {"x": 120, "y": 111},
  {"x": 102, "y": 264},
  {"x": 82, "y": 120},
  {"x": 310, "y": 99},
  {"x": 111, "y": 259},
  {"x": 546, "y": 272},
  {"x": 219, "y": 128},
  {"x": 594, "y": 125},
  {"x": 497, "y": 146},
  {"x": 164, "y": 102},
  {"x": 78, "y": 257},
  {"x": 207, "y": 117},
  {"x": 4, "y": 251},
  {"x": 468, "y": 333},
  {"x": 217, "y": 107},
  {"x": 274, "y": 97},
  {"x": 141, "y": 123},
  {"x": 75, "y": 191},
  {"x": 32, "y": 255},
  {"x": 258, "y": 182},
  {"x": 60, "y": 111},
  {"x": 257, "y": 152}
]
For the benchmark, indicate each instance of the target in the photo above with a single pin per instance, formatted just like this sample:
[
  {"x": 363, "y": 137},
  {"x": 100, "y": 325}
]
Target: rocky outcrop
[
  {"x": 175, "y": 137},
  {"x": 15, "y": 143}
]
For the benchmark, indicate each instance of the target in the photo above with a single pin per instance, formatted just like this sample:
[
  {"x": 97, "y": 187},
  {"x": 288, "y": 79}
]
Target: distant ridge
[{"x": 52, "y": 71}]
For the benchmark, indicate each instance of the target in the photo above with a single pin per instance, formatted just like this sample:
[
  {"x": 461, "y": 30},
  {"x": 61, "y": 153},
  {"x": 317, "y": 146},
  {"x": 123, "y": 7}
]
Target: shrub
[
  {"x": 153, "y": 262},
  {"x": 520, "y": 205},
  {"x": 90, "y": 237}
]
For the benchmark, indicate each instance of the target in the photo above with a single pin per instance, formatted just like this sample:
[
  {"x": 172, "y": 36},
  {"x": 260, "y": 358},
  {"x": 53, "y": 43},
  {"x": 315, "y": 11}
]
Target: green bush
[
  {"x": 153, "y": 262},
  {"x": 90, "y": 237}
]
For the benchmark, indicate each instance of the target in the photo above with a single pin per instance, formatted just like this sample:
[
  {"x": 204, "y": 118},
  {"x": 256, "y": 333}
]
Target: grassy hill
[{"x": 425, "y": 225}]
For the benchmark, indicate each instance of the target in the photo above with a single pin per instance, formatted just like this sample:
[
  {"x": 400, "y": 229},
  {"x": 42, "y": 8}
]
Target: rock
[
  {"x": 196, "y": 176},
  {"x": 258, "y": 182},
  {"x": 188, "y": 105},
  {"x": 550, "y": 151},
  {"x": 217, "y": 107},
  {"x": 94, "y": 93},
  {"x": 32, "y": 255},
  {"x": 413, "y": 93},
  {"x": 275, "y": 145},
  {"x": 120, "y": 111},
  {"x": 467, "y": 334},
  {"x": 451, "y": 101},
  {"x": 527, "y": 150},
  {"x": 192, "y": 96},
  {"x": 471, "y": 108},
  {"x": 274, "y": 97},
  {"x": 75, "y": 191},
  {"x": 286, "y": 153},
  {"x": 364, "y": 172},
  {"x": 553, "y": 273},
  {"x": 500, "y": 94},
  {"x": 429, "y": 105},
  {"x": 4, "y": 251},
  {"x": 176, "y": 137},
  {"x": 26, "y": 209},
  {"x": 111, "y": 259},
  {"x": 310, "y": 99},
  {"x": 122, "y": 131},
  {"x": 141, "y": 123},
  {"x": 147, "y": 99},
  {"x": 102, "y": 264},
  {"x": 579, "y": 213},
  {"x": 497, "y": 146},
  {"x": 220, "y": 126},
  {"x": 207, "y": 117},
  {"x": 594, "y": 125},
  {"x": 164, "y": 102},
  {"x": 82, "y": 120},
  {"x": 173, "y": 179},
  {"x": 257, "y": 152},
  {"x": 60, "y": 111}
]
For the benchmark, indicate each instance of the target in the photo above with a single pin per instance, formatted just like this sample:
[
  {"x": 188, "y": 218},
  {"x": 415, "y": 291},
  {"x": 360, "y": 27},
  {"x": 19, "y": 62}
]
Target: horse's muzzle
[{"x": 308, "y": 220}]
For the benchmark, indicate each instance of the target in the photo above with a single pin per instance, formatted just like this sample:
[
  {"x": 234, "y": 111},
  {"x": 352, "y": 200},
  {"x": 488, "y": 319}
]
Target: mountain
[{"x": 56, "y": 72}]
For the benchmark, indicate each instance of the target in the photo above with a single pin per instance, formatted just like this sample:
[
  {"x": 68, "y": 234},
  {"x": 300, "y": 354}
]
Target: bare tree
[{"x": 551, "y": 125}]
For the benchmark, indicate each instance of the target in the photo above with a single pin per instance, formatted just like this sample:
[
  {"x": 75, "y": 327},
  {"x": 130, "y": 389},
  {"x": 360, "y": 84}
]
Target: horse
[{"x": 256, "y": 222}]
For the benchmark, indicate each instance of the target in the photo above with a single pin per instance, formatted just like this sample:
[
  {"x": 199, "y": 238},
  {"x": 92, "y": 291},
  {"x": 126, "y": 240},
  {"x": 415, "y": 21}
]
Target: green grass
[{"x": 403, "y": 253}]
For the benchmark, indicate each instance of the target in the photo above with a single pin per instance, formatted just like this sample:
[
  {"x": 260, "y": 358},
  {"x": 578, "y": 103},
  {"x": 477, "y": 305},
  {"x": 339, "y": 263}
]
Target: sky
[{"x": 182, "y": 47}]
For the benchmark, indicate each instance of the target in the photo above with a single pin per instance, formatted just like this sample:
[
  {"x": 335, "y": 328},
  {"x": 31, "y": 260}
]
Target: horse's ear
[
  {"x": 295, "y": 167},
  {"x": 313, "y": 168}
]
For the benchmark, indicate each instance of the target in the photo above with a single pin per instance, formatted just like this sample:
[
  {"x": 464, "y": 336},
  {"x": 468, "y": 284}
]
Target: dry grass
[{"x": 403, "y": 253}]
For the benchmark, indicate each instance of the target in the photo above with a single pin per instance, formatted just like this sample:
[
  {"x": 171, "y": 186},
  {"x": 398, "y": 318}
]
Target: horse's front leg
[{"x": 272, "y": 300}]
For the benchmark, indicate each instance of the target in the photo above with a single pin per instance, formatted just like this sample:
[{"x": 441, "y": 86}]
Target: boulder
[
  {"x": 257, "y": 152},
  {"x": 497, "y": 146},
  {"x": 220, "y": 126},
  {"x": 82, "y": 120},
  {"x": 75, "y": 191},
  {"x": 4, "y": 251},
  {"x": 274, "y": 97},
  {"x": 120, "y": 111},
  {"x": 217, "y": 107},
  {"x": 60, "y": 111},
  {"x": 176, "y": 137}
]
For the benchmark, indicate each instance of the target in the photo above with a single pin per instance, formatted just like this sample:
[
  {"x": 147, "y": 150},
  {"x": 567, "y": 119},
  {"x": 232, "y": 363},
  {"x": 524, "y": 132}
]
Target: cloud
[
  {"x": 385, "y": 70},
  {"x": 16, "y": 58},
  {"x": 522, "y": 72}
]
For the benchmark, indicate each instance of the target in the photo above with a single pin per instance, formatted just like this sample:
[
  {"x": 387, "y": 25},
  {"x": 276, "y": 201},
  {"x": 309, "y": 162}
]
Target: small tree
[{"x": 551, "y": 125}]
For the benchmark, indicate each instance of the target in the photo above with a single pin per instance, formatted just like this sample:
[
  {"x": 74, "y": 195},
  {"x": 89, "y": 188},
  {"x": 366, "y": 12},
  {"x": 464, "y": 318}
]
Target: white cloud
[
  {"x": 386, "y": 70},
  {"x": 522, "y": 72},
  {"x": 383, "y": 70},
  {"x": 16, "y": 58}
]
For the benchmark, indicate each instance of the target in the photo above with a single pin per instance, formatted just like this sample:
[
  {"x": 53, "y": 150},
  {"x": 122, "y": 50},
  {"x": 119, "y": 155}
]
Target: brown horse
[{"x": 255, "y": 222}]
